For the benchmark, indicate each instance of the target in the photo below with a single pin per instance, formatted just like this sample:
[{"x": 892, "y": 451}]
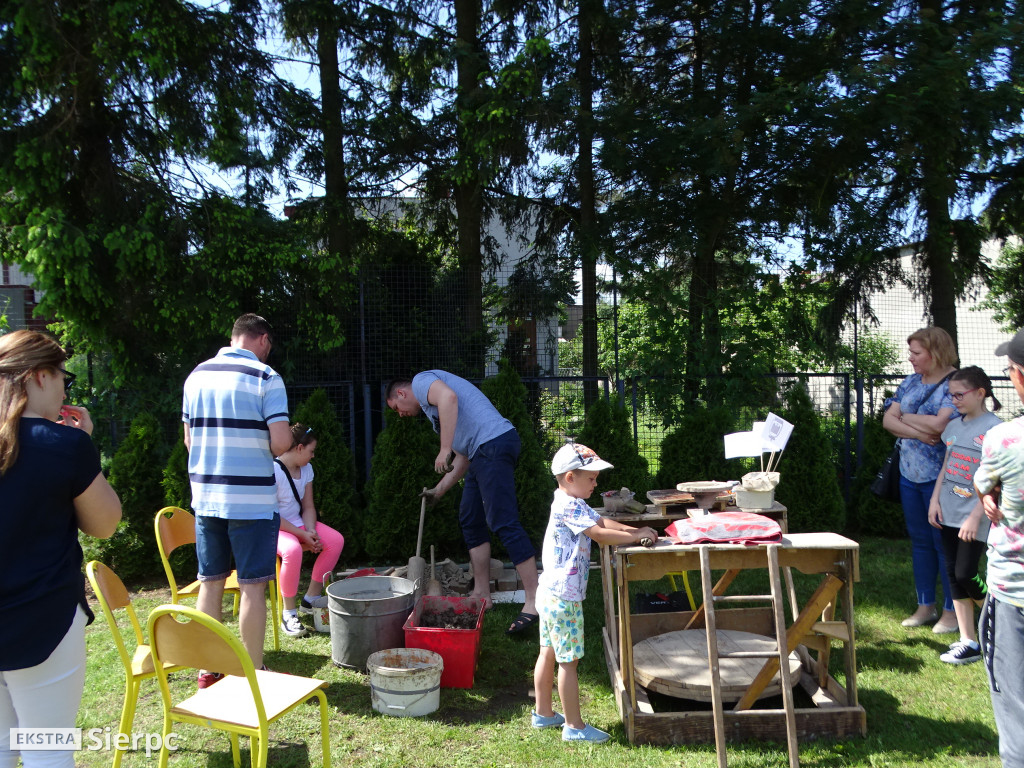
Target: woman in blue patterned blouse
[{"x": 917, "y": 414}]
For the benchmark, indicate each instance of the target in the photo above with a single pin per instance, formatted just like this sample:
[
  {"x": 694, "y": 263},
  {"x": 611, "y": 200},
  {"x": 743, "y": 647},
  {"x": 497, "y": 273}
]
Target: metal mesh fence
[{"x": 405, "y": 314}]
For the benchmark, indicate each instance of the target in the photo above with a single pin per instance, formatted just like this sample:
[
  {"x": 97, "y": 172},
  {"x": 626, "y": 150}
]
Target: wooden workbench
[
  {"x": 659, "y": 517},
  {"x": 835, "y": 713}
]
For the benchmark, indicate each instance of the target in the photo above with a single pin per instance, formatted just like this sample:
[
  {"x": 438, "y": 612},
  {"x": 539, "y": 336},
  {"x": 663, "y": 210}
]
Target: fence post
[{"x": 846, "y": 440}]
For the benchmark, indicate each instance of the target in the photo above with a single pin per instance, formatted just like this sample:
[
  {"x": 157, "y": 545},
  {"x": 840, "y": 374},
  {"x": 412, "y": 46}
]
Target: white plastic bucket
[
  {"x": 755, "y": 499},
  {"x": 405, "y": 682}
]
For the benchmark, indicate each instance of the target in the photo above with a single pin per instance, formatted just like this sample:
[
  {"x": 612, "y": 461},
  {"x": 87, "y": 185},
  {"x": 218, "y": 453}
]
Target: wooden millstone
[{"x": 676, "y": 664}]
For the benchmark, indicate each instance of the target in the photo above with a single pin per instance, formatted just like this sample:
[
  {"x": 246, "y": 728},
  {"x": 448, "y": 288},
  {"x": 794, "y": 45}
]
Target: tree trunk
[
  {"x": 335, "y": 174},
  {"x": 468, "y": 187},
  {"x": 587, "y": 233},
  {"x": 938, "y": 183}
]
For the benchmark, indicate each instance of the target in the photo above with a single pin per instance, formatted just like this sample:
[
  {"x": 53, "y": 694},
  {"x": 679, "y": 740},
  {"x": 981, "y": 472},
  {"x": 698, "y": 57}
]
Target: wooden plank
[
  {"x": 826, "y": 652},
  {"x": 723, "y": 584},
  {"x": 712, "y": 649},
  {"x": 783, "y": 656},
  {"x": 643, "y": 701},
  {"x": 824, "y": 595},
  {"x": 625, "y": 627},
  {"x": 676, "y": 664},
  {"x": 672, "y": 728}
]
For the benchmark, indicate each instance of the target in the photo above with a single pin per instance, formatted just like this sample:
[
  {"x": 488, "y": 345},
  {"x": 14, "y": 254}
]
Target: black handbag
[{"x": 886, "y": 484}]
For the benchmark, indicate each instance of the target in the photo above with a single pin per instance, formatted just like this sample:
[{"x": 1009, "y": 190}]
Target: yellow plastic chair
[
  {"x": 244, "y": 702},
  {"x": 138, "y": 665},
  {"x": 176, "y": 527}
]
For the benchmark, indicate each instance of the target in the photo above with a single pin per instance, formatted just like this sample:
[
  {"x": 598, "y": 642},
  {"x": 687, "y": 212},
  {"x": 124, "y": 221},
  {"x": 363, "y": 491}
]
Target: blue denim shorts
[{"x": 252, "y": 542}]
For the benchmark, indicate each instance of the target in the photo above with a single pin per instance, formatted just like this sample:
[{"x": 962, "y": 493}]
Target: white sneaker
[{"x": 291, "y": 625}]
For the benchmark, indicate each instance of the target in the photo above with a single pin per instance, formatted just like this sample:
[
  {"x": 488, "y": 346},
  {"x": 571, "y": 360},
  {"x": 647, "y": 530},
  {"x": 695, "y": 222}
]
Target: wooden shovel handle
[{"x": 423, "y": 512}]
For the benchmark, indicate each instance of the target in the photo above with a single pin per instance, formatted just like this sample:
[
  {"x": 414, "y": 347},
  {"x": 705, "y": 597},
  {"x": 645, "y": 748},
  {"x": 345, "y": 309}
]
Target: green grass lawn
[{"x": 919, "y": 710}]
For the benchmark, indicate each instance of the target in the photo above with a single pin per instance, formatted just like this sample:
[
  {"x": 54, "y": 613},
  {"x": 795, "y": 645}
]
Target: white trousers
[{"x": 44, "y": 696}]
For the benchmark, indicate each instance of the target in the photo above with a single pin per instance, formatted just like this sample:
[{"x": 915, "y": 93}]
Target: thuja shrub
[
  {"x": 334, "y": 478},
  {"x": 136, "y": 472},
  {"x": 175, "y": 482},
  {"x": 534, "y": 482},
  {"x": 871, "y": 515},
  {"x": 402, "y": 465},
  {"x": 695, "y": 449},
  {"x": 608, "y": 431},
  {"x": 809, "y": 484},
  {"x": 178, "y": 493}
]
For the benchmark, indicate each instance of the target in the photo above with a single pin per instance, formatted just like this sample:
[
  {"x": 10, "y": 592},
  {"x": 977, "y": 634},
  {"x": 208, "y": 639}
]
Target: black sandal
[{"x": 522, "y": 622}]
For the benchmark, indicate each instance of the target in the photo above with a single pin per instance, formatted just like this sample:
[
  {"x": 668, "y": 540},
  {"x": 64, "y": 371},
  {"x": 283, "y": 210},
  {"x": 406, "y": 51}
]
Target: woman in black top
[{"x": 51, "y": 487}]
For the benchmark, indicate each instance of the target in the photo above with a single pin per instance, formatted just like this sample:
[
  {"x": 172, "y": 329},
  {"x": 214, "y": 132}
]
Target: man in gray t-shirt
[{"x": 482, "y": 446}]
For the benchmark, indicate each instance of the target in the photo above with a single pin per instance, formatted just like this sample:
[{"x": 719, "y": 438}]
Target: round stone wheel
[{"x": 676, "y": 664}]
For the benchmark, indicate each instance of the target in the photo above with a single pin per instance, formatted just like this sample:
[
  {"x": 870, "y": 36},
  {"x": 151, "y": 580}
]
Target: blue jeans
[
  {"x": 925, "y": 543},
  {"x": 1001, "y": 631}
]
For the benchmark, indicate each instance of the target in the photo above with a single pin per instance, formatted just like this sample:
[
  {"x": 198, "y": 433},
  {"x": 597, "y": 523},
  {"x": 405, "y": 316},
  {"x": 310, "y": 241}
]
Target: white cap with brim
[
  {"x": 577, "y": 456},
  {"x": 1014, "y": 348}
]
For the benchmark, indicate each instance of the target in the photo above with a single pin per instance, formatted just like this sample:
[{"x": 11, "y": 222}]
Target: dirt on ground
[{"x": 448, "y": 619}]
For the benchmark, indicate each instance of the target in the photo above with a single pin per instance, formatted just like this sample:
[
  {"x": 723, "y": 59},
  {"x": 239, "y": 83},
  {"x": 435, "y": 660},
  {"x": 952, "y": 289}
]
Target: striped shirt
[{"x": 228, "y": 403}]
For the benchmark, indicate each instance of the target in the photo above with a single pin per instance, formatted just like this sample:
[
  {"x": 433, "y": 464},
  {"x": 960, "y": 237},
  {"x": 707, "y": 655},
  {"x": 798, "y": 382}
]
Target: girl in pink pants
[{"x": 300, "y": 530}]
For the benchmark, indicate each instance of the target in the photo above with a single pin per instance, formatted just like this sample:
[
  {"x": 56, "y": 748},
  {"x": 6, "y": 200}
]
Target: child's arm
[
  {"x": 607, "y": 531},
  {"x": 934, "y": 509},
  {"x": 969, "y": 529}
]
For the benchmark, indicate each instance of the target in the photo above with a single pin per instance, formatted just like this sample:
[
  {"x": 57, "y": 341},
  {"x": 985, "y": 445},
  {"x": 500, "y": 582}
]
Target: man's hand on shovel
[{"x": 431, "y": 496}]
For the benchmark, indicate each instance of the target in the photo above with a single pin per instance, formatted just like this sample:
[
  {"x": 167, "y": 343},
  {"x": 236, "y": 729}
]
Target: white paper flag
[
  {"x": 742, "y": 444},
  {"x": 776, "y": 433}
]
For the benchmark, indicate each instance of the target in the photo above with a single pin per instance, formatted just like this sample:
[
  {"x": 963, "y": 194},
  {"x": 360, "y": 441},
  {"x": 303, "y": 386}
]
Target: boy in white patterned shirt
[{"x": 563, "y": 585}]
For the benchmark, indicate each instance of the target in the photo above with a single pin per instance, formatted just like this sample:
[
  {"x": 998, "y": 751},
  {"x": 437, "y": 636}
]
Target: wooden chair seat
[{"x": 230, "y": 699}]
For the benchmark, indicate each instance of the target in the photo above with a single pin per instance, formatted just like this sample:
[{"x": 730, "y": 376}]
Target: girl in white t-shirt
[
  {"x": 301, "y": 531},
  {"x": 955, "y": 509}
]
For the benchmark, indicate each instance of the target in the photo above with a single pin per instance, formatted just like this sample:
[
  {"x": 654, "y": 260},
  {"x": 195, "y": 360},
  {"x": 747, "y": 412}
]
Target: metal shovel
[
  {"x": 417, "y": 565},
  {"x": 433, "y": 586}
]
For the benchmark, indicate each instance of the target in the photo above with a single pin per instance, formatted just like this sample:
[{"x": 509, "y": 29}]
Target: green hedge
[
  {"x": 809, "y": 482},
  {"x": 535, "y": 484},
  {"x": 871, "y": 515},
  {"x": 402, "y": 465},
  {"x": 334, "y": 471},
  {"x": 136, "y": 472},
  {"x": 607, "y": 429},
  {"x": 695, "y": 449}
]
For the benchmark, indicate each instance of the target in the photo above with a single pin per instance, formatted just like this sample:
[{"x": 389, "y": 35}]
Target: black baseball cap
[{"x": 1014, "y": 348}]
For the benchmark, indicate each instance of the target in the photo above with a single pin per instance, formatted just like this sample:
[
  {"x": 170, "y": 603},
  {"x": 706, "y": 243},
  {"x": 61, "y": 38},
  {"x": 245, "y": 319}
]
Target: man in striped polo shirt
[{"x": 235, "y": 412}]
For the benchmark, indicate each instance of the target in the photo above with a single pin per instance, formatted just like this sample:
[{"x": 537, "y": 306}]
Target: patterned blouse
[{"x": 919, "y": 462}]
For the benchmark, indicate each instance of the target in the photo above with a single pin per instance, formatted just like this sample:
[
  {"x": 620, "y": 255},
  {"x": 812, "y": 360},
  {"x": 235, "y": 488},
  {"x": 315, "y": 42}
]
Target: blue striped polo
[{"x": 228, "y": 403}]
